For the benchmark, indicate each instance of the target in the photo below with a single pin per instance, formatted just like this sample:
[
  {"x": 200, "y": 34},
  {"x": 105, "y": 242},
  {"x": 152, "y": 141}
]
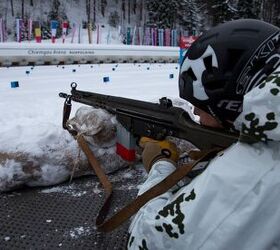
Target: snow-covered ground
[{"x": 34, "y": 149}]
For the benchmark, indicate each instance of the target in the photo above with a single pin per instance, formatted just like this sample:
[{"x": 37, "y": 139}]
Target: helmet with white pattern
[{"x": 225, "y": 63}]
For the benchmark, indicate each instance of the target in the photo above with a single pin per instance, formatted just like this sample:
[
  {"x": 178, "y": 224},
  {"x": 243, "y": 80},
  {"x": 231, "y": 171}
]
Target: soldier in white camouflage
[{"x": 231, "y": 75}]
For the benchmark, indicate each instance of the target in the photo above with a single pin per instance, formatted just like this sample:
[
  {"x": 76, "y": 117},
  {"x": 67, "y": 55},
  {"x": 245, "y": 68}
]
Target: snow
[
  {"x": 8, "y": 170},
  {"x": 80, "y": 231},
  {"x": 128, "y": 175},
  {"x": 34, "y": 149},
  {"x": 48, "y": 175},
  {"x": 76, "y": 13},
  {"x": 70, "y": 190}
]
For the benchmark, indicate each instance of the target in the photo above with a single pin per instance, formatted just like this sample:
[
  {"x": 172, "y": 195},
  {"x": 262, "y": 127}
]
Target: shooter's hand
[{"x": 154, "y": 151}]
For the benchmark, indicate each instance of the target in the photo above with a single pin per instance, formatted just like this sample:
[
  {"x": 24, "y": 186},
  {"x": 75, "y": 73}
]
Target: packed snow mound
[
  {"x": 99, "y": 129},
  {"x": 97, "y": 126},
  {"x": 50, "y": 157}
]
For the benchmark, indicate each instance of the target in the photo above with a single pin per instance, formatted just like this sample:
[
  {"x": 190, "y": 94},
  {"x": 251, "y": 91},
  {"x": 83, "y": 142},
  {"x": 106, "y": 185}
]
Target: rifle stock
[{"x": 154, "y": 120}]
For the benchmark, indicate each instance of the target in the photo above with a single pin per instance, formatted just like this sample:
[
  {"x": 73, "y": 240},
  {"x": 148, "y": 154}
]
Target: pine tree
[
  {"x": 169, "y": 14},
  {"x": 188, "y": 16},
  {"x": 276, "y": 18},
  {"x": 205, "y": 18},
  {"x": 22, "y": 9},
  {"x": 249, "y": 9},
  {"x": 141, "y": 9},
  {"x": 128, "y": 11},
  {"x": 94, "y": 12},
  {"x": 103, "y": 7},
  {"x": 88, "y": 10},
  {"x": 138, "y": 8},
  {"x": 162, "y": 14},
  {"x": 12, "y": 7},
  {"x": 134, "y": 6},
  {"x": 221, "y": 11},
  {"x": 123, "y": 9},
  {"x": 270, "y": 11},
  {"x": 114, "y": 19},
  {"x": 57, "y": 13}
]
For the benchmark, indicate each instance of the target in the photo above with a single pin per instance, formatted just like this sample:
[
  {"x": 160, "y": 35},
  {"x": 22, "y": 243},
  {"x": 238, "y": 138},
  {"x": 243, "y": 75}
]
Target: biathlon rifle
[{"x": 154, "y": 120}]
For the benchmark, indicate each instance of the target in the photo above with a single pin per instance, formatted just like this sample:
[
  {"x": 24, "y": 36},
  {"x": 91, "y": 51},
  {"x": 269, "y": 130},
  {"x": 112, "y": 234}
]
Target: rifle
[{"x": 154, "y": 120}]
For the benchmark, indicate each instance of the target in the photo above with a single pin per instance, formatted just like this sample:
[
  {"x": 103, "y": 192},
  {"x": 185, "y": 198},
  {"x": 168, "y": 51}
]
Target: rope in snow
[{"x": 78, "y": 158}]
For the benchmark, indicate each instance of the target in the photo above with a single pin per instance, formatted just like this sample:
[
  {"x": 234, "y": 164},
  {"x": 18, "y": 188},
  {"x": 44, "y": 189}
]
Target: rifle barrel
[{"x": 155, "y": 120}]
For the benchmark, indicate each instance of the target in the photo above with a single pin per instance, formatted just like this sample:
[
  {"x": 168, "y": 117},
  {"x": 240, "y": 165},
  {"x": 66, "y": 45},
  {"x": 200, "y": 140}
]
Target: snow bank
[
  {"x": 35, "y": 150},
  {"x": 50, "y": 158}
]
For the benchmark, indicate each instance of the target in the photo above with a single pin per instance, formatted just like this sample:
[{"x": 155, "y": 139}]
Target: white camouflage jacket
[{"x": 235, "y": 203}]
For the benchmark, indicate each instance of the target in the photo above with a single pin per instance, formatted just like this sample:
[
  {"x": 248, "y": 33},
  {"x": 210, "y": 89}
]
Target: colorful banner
[
  {"x": 38, "y": 32},
  {"x": 167, "y": 35},
  {"x": 154, "y": 37},
  {"x": 73, "y": 32},
  {"x": 134, "y": 36},
  {"x": 128, "y": 36},
  {"x": 98, "y": 34},
  {"x": 2, "y": 30},
  {"x": 131, "y": 36},
  {"x": 79, "y": 34},
  {"x": 160, "y": 37},
  {"x": 29, "y": 29},
  {"x": 174, "y": 42},
  {"x": 147, "y": 36},
  {"x": 140, "y": 35},
  {"x": 64, "y": 30},
  {"x": 186, "y": 41},
  {"x": 19, "y": 24},
  {"x": 120, "y": 33},
  {"x": 137, "y": 36},
  {"x": 54, "y": 25},
  {"x": 109, "y": 37},
  {"x": 89, "y": 28}
]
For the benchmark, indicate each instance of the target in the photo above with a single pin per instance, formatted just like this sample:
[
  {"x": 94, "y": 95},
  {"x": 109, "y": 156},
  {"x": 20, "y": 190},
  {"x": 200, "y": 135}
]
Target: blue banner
[
  {"x": 54, "y": 24},
  {"x": 128, "y": 36}
]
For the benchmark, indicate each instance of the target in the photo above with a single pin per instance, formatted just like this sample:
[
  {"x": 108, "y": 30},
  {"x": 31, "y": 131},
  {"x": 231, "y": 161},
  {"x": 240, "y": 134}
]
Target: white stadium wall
[{"x": 14, "y": 54}]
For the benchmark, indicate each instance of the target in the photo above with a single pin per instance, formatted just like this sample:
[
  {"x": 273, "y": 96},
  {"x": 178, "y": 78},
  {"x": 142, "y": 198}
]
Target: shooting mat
[{"x": 63, "y": 216}]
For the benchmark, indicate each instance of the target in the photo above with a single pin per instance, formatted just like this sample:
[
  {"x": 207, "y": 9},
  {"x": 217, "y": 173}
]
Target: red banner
[
  {"x": 186, "y": 41},
  {"x": 64, "y": 30}
]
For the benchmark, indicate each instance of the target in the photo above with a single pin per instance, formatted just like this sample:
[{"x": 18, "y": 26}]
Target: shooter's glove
[{"x": 154, "y": 150}]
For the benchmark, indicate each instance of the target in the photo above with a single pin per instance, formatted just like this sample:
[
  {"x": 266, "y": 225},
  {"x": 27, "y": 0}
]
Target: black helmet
[{"x": 225, "y": 63}]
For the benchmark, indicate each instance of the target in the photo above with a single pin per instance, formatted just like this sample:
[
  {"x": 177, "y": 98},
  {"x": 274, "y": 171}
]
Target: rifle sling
[
  {"x": 101, "y": 176},
  {"x": 129, "y": 210},
  {"x": 132, "y": 208},
  {"x": 91, "y": 158},
  {"x": 95, "y": 164}
]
